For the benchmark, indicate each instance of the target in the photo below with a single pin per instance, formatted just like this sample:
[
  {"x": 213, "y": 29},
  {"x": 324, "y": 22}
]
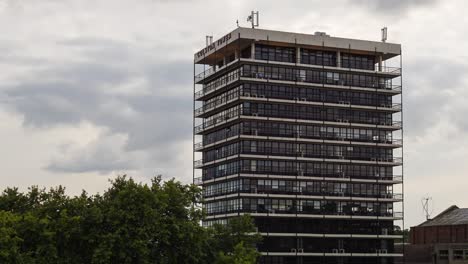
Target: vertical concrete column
[
  {"x": 298, "y": 55},
  {"x": 380, "y": 62},
  {"x": 338, "y": 59},
  {"x": 236, "y": 54},
  {"x": 224, "y": 61},
  {"x": 252, "y": 50}
]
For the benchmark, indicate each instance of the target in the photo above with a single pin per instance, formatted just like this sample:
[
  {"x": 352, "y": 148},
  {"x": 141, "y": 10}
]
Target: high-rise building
[{"x": 304, "y": 133}]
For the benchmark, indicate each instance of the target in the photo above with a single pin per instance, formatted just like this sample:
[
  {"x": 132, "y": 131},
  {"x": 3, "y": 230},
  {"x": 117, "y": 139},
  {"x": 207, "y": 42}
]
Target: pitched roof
[{"x": 451, "y": 216}]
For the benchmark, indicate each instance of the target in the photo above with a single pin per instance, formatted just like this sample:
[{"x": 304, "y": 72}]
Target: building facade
[
  {"x": 441, "y": 240},
  {"x": 300, "y": 131}
]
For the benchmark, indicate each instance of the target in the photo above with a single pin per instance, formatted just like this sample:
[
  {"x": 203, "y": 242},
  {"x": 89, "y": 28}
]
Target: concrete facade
[{"x": 300, "y": 131}]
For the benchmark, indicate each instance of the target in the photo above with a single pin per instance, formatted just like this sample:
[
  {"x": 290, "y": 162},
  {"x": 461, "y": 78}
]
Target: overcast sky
[{"x": 90, "y": 89}]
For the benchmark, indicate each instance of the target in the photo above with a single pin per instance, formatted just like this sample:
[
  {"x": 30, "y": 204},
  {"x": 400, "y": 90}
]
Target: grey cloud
[
  {"x": 71, "y": 92},
  {"x": 392, "y": 6},
  {"x": 102, "y": 156},
  {"x": 432, "y": 86}
]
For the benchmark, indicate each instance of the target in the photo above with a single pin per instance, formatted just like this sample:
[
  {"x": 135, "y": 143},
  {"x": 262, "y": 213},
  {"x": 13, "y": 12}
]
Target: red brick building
[{"x": 443, "y": 239}]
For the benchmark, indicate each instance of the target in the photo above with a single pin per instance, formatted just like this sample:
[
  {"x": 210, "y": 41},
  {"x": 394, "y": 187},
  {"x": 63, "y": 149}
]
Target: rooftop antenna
[
  {"x": 427, "y": 207},
  {"x": 237, "y": 22},
  {"x": 384, "y": 34},
  {"x": 253, "y": 18},
  {"x": 209, "y": 40}
]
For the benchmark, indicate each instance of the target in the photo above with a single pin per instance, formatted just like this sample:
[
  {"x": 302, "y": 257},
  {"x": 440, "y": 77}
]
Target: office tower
[{"x": 302, "y": 132}]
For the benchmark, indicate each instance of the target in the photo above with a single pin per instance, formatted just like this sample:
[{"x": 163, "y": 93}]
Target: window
[
  {"x": 283, "y": 54},
  {"x": 457, "y": 254}
]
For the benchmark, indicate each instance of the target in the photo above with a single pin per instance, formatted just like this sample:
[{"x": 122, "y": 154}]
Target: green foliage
[
  {"x": 129, "y": 223},
  {"x": 404, "y": 233},
  {"x": 241, "y": 255}
]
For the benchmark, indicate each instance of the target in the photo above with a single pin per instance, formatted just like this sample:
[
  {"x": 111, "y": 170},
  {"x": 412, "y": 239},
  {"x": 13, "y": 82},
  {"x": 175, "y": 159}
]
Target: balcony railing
[
  {"x": 295, "y": 190},
  {"x": 272, "y": 171},
  {"x": 198, "y": 146},
  {"x": 292, "y": 77},
  {"x": 204, "y": 74},
  {"x": 198, "y": 163},
  {"x": 211, "y": 71},
  {"x": 335, "y": 159},
  {"x": 318, "y": 212},
  {"x": 247, "y": 113},
  {"x": 198, "y": 181},
  {"x": 398, "y": 178},
  {"x": 393, "y": 70},
  {"x": 206, "y": 108}
]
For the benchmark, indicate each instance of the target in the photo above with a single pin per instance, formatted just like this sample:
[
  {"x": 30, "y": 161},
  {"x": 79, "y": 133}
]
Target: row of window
[
  {"x": 272, "y": 53},
  {"x": 300, "y": 112},
  {"x": 223, "y": 116},
  {"x": 318, "y": 57},
  {"x": 457, "y": 254},
  {"x": 317, "y": 225},
  {"x": 301, "y": 75},
  {"x": 299, "y": 206},
  {"x": 358, "y": 61},
  {"x": 298, "y": 187},
  {"x": 309, "y": 150},
  {"x": 297, "y": 168},
  {"x": 223, "y": 98},
  {"x": 313, "y": 57},
  {"x": 315, "y": 94},
  {"x": 295, "y": 130},
  {"x": 226, "y": 78},
  {"x": 326, "y": 245},
  {"x": 300, "y": 93},
  {"x": 324, "y": 260},
  {"x": 324, "y": 226},
  {"x": 315, "y": 76}
]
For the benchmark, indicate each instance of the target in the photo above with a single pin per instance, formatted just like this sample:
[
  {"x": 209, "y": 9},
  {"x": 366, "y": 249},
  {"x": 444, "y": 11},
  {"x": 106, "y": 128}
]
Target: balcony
[
  {"x": 205, "y": 109},
  {"x": 296, "y": 193},
  {"x": 385, "y": 69},
  {"x": 293, "y": 212},
  {"x": 198, "y": 181},
  {"x": 212, "y": 70},
  {"x": 204, "y": 74},
  {"x": 198, "y": 164},
  {"x": 277, "y": 173},
  {"x": 295, "y": 117},
  {"x": 299, "y": 157},
  {"x": 198, "y": 146},
  {"x": 394, "y": 71},
  {"x": 295, "y": 78}
]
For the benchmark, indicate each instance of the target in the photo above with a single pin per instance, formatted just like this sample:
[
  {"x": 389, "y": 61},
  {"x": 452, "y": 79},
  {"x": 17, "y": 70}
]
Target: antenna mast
[
  {"x": 253, "y": 18},
  {"x": 425, "y": 203},
  {"x": 384, "y": 34},
  {"x": 209, "y": 40}
]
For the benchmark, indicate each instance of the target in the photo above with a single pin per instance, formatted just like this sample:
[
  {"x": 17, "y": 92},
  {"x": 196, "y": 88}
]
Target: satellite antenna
[
  {"x": 426, "y": 207},
  {"x": 253, "y": 18},
  {"x": 384, "y": 34},
  {"x": 209, "y": 40}
]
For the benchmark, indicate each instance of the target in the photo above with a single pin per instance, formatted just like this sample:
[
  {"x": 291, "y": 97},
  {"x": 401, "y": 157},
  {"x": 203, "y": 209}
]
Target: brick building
[{"x": 443, "y": 239}]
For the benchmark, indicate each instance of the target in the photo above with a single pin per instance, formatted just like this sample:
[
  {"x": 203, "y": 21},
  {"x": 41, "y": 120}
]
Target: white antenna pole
[
  {"x": 258, "y": 23},
  {"x": 384, "y": 34},
  {"x": 425, "y": 203},
  {"x": 253, "y": 19},
  {"x": 252, "y": 15},
  {"x": 209, "y": 40}
]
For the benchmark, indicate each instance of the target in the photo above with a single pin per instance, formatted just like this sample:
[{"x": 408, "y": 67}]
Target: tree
[
  {"x": 129, "y": 223},
  {"x": 240, "y": 255}
]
